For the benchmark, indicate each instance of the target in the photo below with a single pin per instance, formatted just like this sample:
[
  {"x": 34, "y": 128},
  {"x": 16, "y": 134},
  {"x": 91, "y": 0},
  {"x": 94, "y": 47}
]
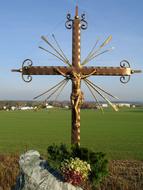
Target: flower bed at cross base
[{"x": 79, "y": 166}]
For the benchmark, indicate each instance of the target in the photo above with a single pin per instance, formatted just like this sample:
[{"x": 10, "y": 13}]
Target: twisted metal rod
[{"x": 108, "y": 101}]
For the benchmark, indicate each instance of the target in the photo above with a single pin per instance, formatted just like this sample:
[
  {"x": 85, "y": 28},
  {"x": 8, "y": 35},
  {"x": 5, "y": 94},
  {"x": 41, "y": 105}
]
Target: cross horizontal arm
[{"x": 54, "y": 70}]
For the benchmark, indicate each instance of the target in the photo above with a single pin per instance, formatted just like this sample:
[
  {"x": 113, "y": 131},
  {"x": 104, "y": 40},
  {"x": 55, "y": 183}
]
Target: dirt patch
[{"x": 124, "y": 175}]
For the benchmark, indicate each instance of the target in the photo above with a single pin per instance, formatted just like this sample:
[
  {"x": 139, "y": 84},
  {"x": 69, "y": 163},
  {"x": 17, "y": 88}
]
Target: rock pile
[{"x": 36, "y": 174}]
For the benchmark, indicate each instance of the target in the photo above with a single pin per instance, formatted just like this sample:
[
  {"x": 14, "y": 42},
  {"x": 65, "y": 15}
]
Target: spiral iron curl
[
  {"x": 27, "y": 78},
  {"x": 84, "y": 23},
  {"x": 124, "y": 64},
  {"x": 125, "y": 79},
  {"x": 69, "y": 22},
  {"x": 27, "y": 63}
]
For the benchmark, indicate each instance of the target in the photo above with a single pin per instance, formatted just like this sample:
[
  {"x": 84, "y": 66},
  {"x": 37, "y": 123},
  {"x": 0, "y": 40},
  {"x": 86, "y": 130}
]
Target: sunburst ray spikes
[
  {"x": 102, "y": 90},
  {"x": 94, "y": 54},
  {"x": 56, "y": 86},
  {"x": 107, "y": 100},
  {"x": 59, "y": 88},
  {"x": 58, "y": 45},
  {"x": 56, "y": 51},
  {"x": 52, "y": 53},
  {"x": 90, "y": 53},
  {"x": 62, "y": 88},
  {"x": 106, "y": 42},
  {"x": 90, "y": 89}
]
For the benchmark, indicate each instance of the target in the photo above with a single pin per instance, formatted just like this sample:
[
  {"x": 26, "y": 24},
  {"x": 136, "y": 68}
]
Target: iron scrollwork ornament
[
  {"x": 25, "y": 65},
  {"x": 124, "y": 64},
  {"x": 69, "y": 22},
  {"x": 84, "y": 24}
]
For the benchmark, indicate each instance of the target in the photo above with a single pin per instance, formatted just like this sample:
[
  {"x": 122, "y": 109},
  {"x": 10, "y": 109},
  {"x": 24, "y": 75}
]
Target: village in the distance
[{"x": 44, "y": 105}]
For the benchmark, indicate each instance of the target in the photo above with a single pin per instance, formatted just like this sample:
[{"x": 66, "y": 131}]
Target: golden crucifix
[{"x": 76, "y": 71}]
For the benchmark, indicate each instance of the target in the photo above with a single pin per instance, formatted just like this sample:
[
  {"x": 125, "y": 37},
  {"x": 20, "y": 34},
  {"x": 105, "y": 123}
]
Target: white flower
[{"x": 88, "y": 166}]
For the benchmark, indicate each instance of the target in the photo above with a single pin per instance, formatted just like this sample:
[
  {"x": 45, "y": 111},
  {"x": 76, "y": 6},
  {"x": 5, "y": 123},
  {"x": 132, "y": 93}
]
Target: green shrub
[
  {"x": 57, "y": 154},
  {"x": 97, "y": 160}
]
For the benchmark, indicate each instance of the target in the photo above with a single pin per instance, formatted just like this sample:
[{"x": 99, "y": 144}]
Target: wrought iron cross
[{"x": 76, "y": 72}]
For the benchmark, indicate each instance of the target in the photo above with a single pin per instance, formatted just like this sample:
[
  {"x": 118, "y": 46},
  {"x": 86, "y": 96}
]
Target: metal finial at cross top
[{"x": 76, "y": 71}]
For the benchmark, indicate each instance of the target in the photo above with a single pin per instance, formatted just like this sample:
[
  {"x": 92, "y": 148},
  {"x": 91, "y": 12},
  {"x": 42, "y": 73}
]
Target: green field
[{"x": 118, "y": 134}]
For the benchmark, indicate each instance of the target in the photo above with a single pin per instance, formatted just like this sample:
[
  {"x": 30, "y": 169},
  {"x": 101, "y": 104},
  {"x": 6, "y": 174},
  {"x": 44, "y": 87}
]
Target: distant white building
[
  {"x": 105, "y": 105},
  {"x": 26, "y": 108},
  {"x": 13, "y": 108},
  {"x": 4, "y": 107},
  {"x": 48, "y": 106},
  {"x": 124, "y": 105}
]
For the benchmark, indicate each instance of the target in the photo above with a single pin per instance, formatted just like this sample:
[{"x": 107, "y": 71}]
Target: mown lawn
[{"x": 118, "y": 134}]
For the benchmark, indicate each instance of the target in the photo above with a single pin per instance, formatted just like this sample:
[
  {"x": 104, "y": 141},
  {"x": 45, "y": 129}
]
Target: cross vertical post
[{"x": 76, "y": 95}]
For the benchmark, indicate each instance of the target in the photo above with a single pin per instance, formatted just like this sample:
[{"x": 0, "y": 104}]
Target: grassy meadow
[{"x": 118, "y": 134}]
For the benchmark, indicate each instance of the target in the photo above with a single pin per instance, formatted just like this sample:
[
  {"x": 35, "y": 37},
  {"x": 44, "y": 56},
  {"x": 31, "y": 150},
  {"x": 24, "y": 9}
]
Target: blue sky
[{"x": 22, "y": 22}]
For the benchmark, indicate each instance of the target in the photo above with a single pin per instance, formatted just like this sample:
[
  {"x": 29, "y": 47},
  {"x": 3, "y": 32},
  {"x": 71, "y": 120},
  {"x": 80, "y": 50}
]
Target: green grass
[{"x": 118, "y": 134}]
